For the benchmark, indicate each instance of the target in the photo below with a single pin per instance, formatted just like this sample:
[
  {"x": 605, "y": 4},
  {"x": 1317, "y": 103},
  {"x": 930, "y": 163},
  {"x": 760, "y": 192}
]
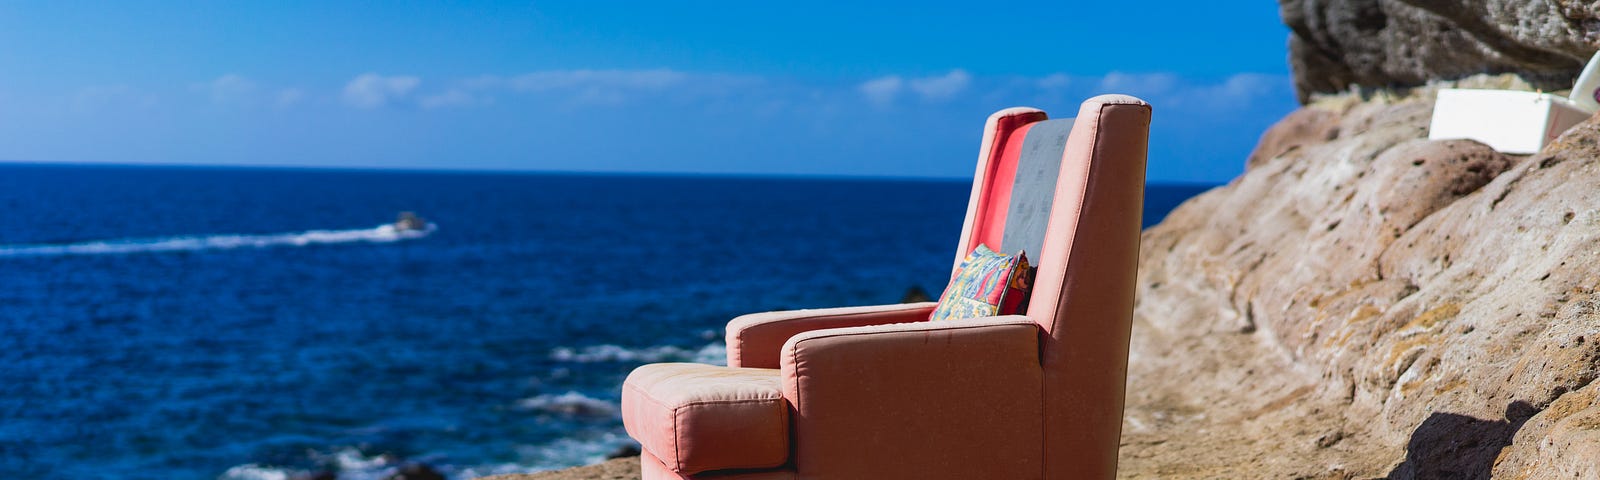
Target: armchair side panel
[{"x": 1085, "y": 310}]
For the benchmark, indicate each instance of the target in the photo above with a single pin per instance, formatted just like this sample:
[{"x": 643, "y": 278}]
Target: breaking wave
[
  {"x": 379, "y": 234},
  {"x": 715, "y": 354},
  {"x": 348, "y": 463},
  {"x": 572, "y": 404}
]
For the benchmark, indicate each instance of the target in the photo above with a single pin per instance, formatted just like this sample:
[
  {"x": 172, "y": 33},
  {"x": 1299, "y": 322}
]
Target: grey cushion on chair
[{"x": 1034, "y": 189}]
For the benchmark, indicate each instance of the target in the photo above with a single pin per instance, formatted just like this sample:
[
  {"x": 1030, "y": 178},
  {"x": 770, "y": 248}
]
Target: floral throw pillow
[{"x": 988, "y": 283}]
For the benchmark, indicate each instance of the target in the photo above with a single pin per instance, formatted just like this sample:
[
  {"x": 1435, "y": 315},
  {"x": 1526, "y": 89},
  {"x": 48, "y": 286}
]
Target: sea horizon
[{"x": 493, "y": 171}]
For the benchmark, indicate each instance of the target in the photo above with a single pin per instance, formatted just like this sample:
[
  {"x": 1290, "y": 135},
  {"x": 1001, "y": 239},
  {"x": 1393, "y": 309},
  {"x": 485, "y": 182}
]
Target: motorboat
[{"x": 410, "y": 222}]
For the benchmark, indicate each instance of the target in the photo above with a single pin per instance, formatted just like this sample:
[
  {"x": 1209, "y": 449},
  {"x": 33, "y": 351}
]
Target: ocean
[{"x": 219, "y": 323}]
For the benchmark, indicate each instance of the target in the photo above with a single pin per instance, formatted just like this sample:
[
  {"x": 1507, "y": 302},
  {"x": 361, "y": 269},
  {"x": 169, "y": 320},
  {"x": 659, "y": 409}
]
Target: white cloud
[
  {"x": 371, "y": 90},
  {"x": 289, "y": 97},
  {"x": 882, "y": 90},
  {"x": 1054, "y": 81},
  {"x": 655, "y": 79},
  {"x": 111, "y": 97},
  {"x": 1251, "y": 84},
  {"x": 607, "y": 87},
  {"x": 942, "y": 87},
  {"x": 229, "y": 89},
  {"x": 450, "y": 98},
  {"x": 1139, "y": 83}
]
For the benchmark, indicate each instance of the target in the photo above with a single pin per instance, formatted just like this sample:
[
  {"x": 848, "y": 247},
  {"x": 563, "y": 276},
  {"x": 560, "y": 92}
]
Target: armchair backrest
[{"x": 1072, "y": 202}]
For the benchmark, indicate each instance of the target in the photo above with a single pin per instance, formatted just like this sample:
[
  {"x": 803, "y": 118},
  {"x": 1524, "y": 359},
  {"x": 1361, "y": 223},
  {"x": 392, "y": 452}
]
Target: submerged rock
[
  {"x": 915, "y": 294},
  {"x": 416, "y": 471},
  {"x": 629, "y": 450}
]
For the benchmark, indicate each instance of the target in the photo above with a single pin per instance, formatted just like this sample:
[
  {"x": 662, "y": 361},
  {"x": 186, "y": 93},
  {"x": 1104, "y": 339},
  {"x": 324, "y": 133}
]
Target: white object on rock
[
  {"x": 1586, "y": 93},
  {"x": 1506, "y": 120}
]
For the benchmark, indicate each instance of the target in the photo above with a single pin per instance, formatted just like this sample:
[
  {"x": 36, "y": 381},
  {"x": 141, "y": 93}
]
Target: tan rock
[{"x": 1374, "y": 304}]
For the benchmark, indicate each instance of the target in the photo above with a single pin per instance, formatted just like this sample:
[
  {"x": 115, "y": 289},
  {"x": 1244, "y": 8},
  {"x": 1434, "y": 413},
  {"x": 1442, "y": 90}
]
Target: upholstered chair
[{"x": 883, "y": 393}]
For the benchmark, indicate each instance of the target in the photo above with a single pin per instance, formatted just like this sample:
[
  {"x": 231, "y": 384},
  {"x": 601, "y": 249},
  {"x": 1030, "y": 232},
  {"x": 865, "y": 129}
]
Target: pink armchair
[{"x": 880, "y": 393}]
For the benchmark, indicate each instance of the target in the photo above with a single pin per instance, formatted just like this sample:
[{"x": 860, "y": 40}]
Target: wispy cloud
[
  {"x": 228, "y": 89},
  {"x": 848, "y": 121},
  {"x": 102, "y": 97},
  {"x": 1160, "y": 88},
  {"x": 449, "y": 99},
  {"x": 653, "y": 79},
  {"x": 371, "y": 90},
  {"x": 288, "y": 97},
  {"x": 1144, "y": 83},
  {"x": 942, "y": 87},
  {"x": 602, "y": 87},
  {"x": 882, "y": 90},
  {"x": 238, "y": 91}
]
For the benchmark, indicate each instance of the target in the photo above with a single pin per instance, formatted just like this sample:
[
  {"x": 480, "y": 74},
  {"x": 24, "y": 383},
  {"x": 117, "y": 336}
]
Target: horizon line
[{"x": 495, "y": 171}]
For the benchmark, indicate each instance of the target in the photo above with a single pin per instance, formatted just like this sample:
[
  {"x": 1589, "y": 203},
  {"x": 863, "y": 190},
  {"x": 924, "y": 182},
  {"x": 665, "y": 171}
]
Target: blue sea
[{"x": 210, "y": 323}]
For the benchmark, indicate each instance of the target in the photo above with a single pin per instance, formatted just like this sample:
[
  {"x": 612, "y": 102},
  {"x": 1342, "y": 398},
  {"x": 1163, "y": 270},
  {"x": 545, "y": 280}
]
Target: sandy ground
[{"x": 625, "y": 468}]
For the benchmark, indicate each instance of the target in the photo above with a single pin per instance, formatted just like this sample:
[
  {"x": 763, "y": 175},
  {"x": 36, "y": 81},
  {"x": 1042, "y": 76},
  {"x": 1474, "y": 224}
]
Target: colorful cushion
[{"x": 988, "y": 283}]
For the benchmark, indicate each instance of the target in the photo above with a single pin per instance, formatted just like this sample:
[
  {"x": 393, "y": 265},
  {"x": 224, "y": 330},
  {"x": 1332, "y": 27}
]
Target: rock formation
[
  {"x": 1363, "y": 302},
  {"x": 1335, "y": 44}
]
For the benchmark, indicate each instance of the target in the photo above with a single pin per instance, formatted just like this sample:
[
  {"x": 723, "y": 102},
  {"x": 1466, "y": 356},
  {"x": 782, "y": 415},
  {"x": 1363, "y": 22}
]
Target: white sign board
[{"x": 1508, "y": 121}]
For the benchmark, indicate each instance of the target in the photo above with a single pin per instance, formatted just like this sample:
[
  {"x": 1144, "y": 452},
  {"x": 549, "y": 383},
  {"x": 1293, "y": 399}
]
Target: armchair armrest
[
  {"x": 917, "y": 400},
  {"x": 754, "y": 340}
]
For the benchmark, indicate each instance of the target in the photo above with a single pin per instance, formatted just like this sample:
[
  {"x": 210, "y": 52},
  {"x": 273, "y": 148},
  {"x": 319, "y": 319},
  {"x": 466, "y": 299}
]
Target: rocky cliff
[
  {"x": 1335, "y": 44},
  {"x": 1363, "y": 302}
]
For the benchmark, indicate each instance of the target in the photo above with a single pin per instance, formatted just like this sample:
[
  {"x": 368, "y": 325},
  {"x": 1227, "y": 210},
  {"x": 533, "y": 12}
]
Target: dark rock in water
[
  {"x": 629, "y": 450},
  {"x": 417, "y": 471},
  {"x": 1335, "y": 44},
  {"x": 322, "y": 475},
  {"x": 916, "y": 294}
]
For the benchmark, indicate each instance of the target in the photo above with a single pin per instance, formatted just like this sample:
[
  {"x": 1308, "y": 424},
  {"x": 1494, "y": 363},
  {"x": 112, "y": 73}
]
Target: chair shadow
[{"x": 1452, "y": 446}]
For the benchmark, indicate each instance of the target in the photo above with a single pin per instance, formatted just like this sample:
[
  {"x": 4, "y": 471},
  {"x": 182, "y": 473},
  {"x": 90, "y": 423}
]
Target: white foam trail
[
  {"x": 715, "y": 353},
  {"x": 587, "y": 448},
  {"x": 571, "y": 403},
  {"x": 576, "y": 449},
  {"x": 379, "y": 234},
  {"x": 254, "y": 472}
]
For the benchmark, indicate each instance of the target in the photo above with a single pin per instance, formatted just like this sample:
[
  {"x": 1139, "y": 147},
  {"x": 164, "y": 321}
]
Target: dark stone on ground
[
  {"x": 916, "y": 295},
  {"x": 417, "y": 471},
  {"x": 629, "y": 450}
]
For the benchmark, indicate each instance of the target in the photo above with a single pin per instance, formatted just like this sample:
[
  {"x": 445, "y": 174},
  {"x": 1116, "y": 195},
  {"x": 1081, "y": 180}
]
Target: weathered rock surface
[
  {"x": 1363, "y": 303},
  {"x": 1335, "y": 44}
]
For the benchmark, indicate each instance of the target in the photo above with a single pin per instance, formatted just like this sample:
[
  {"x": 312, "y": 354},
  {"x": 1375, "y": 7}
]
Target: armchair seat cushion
[{"x": 696, "y": 418}]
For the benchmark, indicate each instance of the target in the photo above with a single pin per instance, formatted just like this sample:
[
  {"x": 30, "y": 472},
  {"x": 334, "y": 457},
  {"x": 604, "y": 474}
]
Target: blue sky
[{"x": 813, "y": 88}]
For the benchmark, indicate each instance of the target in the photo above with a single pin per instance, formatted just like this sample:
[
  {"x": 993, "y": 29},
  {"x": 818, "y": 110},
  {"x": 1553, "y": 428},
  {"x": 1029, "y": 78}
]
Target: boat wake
[{"x": 386, "y": 233}]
